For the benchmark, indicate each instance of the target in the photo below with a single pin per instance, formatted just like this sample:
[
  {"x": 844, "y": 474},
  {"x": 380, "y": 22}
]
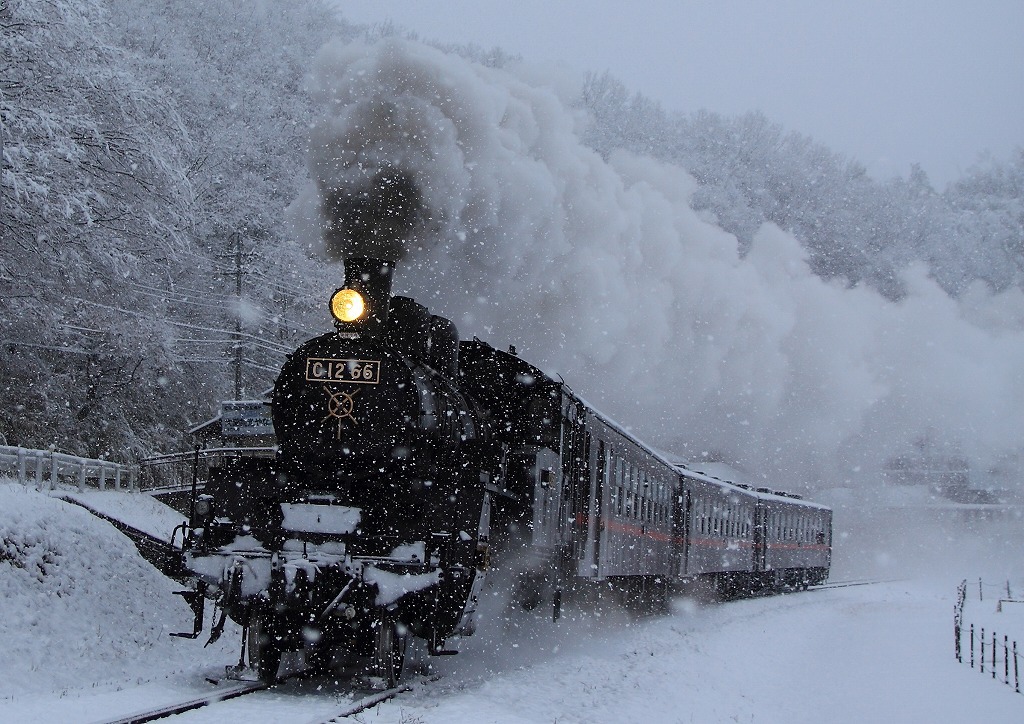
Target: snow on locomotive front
[{"x": 378, "y": 506}]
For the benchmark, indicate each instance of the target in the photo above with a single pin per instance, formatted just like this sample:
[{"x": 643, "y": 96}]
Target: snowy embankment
[
  {"x": 79, "y": 607},
  {"x": 142, "y": 512},
  {"x": 84, "y": 623}
]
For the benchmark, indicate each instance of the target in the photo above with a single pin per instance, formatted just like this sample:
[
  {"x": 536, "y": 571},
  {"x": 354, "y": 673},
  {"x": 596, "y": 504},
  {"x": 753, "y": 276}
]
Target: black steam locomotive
[{"x": 406, "y": 459}]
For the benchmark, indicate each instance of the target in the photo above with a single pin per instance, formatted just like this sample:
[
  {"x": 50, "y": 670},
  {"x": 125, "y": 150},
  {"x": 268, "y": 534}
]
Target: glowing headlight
[{"x": 347, "y": 305}]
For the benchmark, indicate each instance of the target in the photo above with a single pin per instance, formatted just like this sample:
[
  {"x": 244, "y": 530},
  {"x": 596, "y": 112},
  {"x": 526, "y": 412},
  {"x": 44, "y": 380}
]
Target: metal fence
[
  {"x": 986, "y": 649},
  {"x": 46, "y": 468},
  {"x": 177, "y": 470}
]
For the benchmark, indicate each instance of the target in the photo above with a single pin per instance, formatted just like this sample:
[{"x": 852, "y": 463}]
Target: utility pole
[
  {"x": 238, "y": 315},
  {"x": 282, "y": 328}
]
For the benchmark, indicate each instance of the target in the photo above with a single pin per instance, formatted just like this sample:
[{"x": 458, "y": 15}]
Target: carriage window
[
  {"x": 635, "y": 476},
  {"x": 620, "y": 477}
]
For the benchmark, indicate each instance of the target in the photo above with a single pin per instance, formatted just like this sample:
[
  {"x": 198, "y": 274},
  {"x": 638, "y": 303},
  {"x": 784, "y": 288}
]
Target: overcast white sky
[{"x": 888, "y": 82}]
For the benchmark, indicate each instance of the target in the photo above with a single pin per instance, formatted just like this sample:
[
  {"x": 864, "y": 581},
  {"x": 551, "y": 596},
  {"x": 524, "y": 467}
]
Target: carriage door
[
  {"x": 760, "y": 525},
  {"x": 681, "y": 504},
  {"x": 590, "y": 566},
  {"x": 582, "y": 547},
  {"x": 574, "y": 475}
]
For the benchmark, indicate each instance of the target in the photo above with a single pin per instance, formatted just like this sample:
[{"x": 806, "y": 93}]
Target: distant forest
[{"x": 149, "y": 152}]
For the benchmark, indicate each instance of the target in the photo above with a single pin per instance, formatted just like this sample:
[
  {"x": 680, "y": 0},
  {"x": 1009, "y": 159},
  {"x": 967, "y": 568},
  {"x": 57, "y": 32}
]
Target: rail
[{"x": 45, "y": 468}]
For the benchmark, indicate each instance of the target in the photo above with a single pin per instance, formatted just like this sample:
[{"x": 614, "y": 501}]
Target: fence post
[
  {"x": 993, "y": 654},
  {"x": 982, "y": 659},
  {"x": 981, "y": 595},
  {"x": 1016, "y": 673},
  {"x": 22, "y": 466},
  {"x": 1006, "y": 659},
  {"x": 956, "y": 638},
  {"x": 81, "y": 475},
  {"x": 39, "y": 469},
  {"x": 972, "y": 645},
  {"x": 103, "y": 476},
  {"x": 133, "y": 482},
  {"x": 54, "y": 478}
]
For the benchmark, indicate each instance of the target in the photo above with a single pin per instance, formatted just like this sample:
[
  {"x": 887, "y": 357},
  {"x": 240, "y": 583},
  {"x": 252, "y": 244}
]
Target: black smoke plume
[{"x": 375, "y": 220}]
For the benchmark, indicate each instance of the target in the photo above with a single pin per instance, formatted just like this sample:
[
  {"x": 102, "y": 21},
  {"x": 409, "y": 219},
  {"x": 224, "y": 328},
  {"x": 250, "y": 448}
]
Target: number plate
[{"x": 363, "y": 371}]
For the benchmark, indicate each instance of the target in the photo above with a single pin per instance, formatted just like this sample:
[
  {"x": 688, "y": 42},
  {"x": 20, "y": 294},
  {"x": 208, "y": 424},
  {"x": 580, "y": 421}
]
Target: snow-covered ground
[{"x": 84, "y": 623}]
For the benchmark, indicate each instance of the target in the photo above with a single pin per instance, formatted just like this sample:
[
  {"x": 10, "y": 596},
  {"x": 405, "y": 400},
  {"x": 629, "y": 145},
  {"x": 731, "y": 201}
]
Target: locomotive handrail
[{"x": 45, "y": 468}]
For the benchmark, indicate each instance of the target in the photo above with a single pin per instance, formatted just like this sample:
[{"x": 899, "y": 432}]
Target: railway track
[
  {"x": 169, "y": 710},
  {"x": 847, "y": 584},
  {"x": 365, "y": 699},
  {"x": 363, "y": 704}
]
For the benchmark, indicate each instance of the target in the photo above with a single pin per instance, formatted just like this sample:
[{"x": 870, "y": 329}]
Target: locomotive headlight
[{"x": 347, "y": 305}]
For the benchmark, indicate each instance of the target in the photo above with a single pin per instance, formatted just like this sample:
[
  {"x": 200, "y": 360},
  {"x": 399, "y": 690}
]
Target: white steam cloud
[{"x": 600, "y": 270}]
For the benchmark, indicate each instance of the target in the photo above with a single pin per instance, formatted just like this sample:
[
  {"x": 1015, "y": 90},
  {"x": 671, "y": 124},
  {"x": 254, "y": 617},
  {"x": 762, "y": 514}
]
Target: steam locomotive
[{"x": 409, "y": 462}]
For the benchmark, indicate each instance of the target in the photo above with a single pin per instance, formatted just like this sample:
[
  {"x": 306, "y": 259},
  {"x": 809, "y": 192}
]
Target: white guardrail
[{"x": 45, "y": 468}]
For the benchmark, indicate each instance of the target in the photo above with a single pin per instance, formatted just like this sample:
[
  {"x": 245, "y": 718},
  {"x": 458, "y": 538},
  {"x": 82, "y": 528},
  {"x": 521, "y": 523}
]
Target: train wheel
[
  {"x": 388, "y": 655},
  {"x": 529, "y": 590},
  {"x": 264, "y": 646},
  {"x": 633, "y": 596},
  {"x": 319, "y": 657}
]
